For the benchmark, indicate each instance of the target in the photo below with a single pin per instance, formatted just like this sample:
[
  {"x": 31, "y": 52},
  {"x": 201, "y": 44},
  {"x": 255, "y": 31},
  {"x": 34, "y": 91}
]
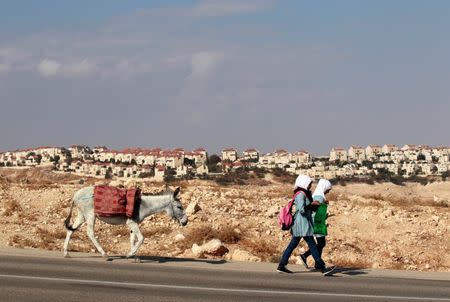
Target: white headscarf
[
  {"x": 302, "y": 181},
  {"x": 322, "y": 186}
]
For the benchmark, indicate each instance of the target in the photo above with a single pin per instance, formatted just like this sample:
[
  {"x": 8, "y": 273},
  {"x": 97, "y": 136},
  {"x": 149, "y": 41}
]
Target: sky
[{"x": 292, "y": 74}]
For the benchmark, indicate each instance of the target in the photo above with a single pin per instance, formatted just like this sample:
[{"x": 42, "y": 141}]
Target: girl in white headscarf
[
  {"x": 320, "y": 218},
  {"x": 303, "y": 226}
]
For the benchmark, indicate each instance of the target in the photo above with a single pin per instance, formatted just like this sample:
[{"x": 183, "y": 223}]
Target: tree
[
  {"x": 367, "y": 163},
  {"x": 133, "y": 162},
  {"x": 108, "y": 174},
  {"x": 169, "y": 174},
  {"x": 38, "y": 159},
  {"x": 212, "y": 162},
  {"x": 434, "y": 169},
  {"x": 55, "y": 159},
  {"x": 421, "y": 157},
  {"x": 214, "y": 159},
  {"x": 68, "y": 157},
  {"x": 189, "y": 162},
  {"x": 145, "y": 174}
]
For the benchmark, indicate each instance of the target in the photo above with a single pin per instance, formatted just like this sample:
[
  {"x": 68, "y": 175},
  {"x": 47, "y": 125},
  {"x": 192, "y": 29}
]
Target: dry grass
[
  {"x": 203, "y": 233},
  {"x": 198, "y": 234},
  {"x": 267, "y": 250},
  {"x": 20, "y": 241},
  {"x": 346, "y": 263},
  {"x": 11, "y": 206},
  {"x": 228, "y": 234},
  {"x": 43, "y": 239},
  {"x": 376, "y": 196},
  {"x": 120, "y": 230},
  {"x": 395, "y": 265},
  {"x": 157, "y": 230},
  {"x": 50, "y": 240},
  {"x": 417, "y": 201},
  {"x": 38, "y": 178}
]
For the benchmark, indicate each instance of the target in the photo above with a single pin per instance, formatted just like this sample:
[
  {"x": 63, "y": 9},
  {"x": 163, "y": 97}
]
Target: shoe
[
  {"x": 327, "y": 271},
  {"x": 303, "y": 260},
  {"x": 283, "y": 270}
]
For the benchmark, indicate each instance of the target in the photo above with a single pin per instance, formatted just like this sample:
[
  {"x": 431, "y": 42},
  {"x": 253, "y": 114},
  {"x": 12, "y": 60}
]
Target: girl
[
  {"x": 303, "y": 226},
  {"x": 320, "y": 218}
]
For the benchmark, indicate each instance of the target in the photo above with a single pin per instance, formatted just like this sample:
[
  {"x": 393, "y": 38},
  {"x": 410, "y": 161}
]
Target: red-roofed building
[
  {"x": 338, "y": 153},
  {"x": 251, "y": 154},
  {"x": 356, "y": 153},
  {"x": 372, "y": 151},
  {"x": 301, "y": 157},
  {"x": 229, "y": 154},
  {"x": 389, "y": 148}
]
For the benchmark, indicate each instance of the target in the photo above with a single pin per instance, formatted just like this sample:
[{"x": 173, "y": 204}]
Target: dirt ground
[{"x": 380, "y": 226}]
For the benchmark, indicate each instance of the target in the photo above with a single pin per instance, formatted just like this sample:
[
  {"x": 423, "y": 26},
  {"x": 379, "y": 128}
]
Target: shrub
[
  {"x": 10, "y": 207},
  {"x": 267, "y": 250}
]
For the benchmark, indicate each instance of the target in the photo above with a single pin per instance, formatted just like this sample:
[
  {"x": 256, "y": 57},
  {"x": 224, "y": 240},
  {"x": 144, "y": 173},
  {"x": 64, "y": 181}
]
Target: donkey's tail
[{"x": 67, "y": 223}]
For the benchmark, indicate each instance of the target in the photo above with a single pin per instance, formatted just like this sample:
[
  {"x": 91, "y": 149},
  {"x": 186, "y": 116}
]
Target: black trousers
[{"x": 321, "y": 242}]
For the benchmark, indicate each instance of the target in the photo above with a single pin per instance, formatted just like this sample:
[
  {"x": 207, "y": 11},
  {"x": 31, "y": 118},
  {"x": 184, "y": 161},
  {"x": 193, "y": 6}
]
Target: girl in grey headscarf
[{"x": 303, "y": 226}]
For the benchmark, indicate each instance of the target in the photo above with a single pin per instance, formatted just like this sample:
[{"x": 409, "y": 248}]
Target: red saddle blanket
[{"x": 111, "y": 201}]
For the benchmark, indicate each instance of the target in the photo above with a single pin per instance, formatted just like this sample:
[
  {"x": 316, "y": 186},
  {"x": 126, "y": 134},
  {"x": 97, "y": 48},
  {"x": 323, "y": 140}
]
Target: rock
[
  {"x": 272, "y": 211},
  {"x": 193, "y": 208},
  {"x": 387, "y": 213},
  {"x": 241, "y": 255},
  {"x": 214, "y": 247},
  {"x": 179, "y": 237}
]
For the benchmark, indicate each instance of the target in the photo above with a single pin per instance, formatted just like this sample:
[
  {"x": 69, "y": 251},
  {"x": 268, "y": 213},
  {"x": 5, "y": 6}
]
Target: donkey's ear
[{"x": 177, "y": 190}]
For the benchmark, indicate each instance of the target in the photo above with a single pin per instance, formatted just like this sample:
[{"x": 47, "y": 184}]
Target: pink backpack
[{"x": 285, "y": 218}]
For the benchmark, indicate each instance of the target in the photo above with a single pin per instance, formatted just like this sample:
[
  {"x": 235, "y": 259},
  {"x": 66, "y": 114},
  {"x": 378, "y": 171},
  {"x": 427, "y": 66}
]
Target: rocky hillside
[{"x": 381, "y": 225}]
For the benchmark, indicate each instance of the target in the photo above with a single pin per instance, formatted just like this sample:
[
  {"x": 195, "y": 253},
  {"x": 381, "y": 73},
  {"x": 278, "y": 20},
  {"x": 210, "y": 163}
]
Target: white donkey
[{"x": 83, "y": 199}]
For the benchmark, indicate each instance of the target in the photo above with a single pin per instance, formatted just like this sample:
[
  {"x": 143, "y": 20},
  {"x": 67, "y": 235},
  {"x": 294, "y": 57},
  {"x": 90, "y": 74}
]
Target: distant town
[{"x": 157, "y": 164}]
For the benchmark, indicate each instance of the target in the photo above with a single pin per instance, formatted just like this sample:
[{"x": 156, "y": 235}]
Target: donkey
[{"x": 83, "y": 199}]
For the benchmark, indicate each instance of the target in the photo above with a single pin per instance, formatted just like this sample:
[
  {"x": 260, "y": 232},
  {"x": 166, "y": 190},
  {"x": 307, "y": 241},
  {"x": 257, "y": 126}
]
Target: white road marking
[{"x": 218, "y": 289}]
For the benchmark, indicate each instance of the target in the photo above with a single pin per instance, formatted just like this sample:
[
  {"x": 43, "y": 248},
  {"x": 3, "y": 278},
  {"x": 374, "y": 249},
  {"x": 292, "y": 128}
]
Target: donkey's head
[{"x": 176, "y": 210}]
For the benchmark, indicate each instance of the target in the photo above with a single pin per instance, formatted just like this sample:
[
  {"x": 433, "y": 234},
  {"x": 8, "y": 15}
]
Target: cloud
[
  {"x": 80, "y": 68},
  {"x": 48, "y": 67},
  {"x": 213, "y": 8},
  {"x": 203, "y": 63},
  {"x": 4, "y": 67}
]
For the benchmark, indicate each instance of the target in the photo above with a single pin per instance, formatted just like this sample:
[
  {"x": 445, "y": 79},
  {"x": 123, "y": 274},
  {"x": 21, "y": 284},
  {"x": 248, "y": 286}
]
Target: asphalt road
[{"x": 28, "y": 275}]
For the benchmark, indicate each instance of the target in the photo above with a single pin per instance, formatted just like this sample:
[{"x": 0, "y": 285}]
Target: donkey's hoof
[
  {"x": 105, "y": 255},
  {"x": 131, "y": 255},
  {"x": 66, "y": 255}
]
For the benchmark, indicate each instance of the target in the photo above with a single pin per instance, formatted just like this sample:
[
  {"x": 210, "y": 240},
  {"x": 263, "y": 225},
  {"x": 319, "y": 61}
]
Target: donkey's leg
[
  {"x": 132, "y": 239},
  {"x": 90, "y": 232},
  {"x": 134, "y": 227},
  {"x": 78, "y": 222}
]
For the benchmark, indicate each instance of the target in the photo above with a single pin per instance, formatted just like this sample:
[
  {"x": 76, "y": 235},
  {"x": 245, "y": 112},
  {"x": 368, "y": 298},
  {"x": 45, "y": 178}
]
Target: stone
[
  {"x": 272, "y": 211},
  {"x": 179, "y": 237},
  {"x": 193, "y": 208},
  {"x": 241, "y": 255},
  {"x": 214, "y": 247}
]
